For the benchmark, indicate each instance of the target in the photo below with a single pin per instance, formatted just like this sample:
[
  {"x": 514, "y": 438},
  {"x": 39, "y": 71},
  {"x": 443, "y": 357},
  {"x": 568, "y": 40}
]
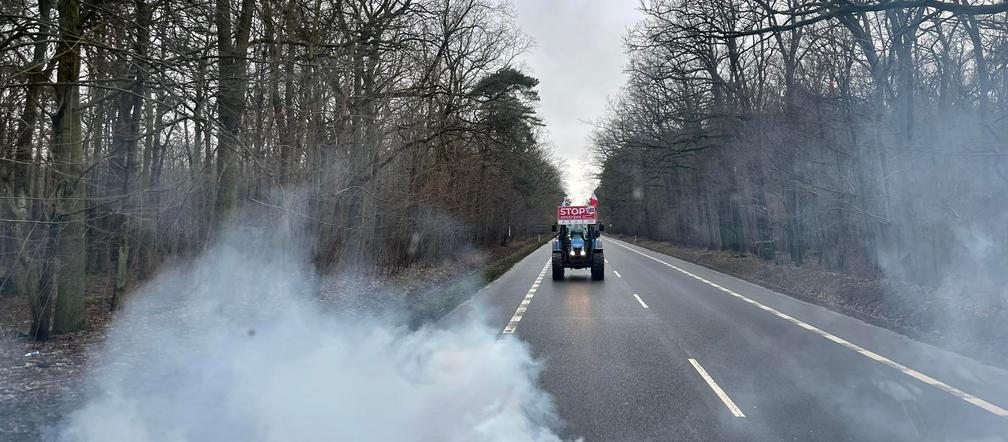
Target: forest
[
  {"x": 861, "y": 137},
  {"x": 133, "y": 131}
]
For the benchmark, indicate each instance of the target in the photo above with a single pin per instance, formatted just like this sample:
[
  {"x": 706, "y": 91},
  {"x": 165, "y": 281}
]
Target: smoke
[
  {"x": 948, "y": 214},
  {"x": 235, "y": 346}
]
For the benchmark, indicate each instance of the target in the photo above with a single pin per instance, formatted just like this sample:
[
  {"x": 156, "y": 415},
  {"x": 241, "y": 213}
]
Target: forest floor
[
  {"x": 958, "y": 324},
  {"x": 41, "y": 381}
]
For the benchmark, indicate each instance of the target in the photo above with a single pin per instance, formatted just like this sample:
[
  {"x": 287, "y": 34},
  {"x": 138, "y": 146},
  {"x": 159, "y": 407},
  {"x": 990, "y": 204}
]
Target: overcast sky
[{"x": 578, "y": 58}]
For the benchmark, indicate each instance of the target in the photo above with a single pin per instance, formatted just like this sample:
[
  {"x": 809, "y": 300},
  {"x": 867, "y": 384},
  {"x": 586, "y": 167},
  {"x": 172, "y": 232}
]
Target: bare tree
[
  {"x": 823, "y": 134},
  {"x": 381, "y": 121}
]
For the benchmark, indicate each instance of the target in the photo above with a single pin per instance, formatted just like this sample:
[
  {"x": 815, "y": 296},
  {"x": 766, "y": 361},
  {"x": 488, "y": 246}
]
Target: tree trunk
[
  {"x": 123, "y": 160},
  {"x": 232, "y": 46},
  {"x": 26, "y": 272},
  {"x": 68, "y": 158}
]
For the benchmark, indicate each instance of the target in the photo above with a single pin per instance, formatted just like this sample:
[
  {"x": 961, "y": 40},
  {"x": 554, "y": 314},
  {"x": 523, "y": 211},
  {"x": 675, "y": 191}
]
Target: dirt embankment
[
  {"x": 41, "y": 381},
  {"x": 923, "y": 313}
]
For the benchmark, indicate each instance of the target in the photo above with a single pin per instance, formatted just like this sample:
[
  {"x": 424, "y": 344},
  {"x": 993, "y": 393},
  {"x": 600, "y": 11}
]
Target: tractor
[{"x": 577, "y": 244}]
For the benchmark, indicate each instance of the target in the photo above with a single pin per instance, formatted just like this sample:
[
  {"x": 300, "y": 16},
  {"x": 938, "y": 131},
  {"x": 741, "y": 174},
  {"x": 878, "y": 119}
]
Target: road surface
[{"x": 663, "y": 349}]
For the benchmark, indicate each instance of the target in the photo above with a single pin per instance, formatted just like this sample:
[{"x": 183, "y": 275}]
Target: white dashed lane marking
[
  {"x": 641, "y": 301},
  {"x": 617, "y": 274},
  {"x": 734, "y": 409},
  {"x": 860, "y": 350},
  {"x": 513, "y": 323}
]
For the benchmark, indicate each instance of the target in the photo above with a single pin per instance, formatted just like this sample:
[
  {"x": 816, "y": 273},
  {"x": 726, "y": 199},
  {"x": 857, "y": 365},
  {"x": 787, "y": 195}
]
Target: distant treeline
[
  {"x": 863, "y": 137},
  {"x": 132, "y": 131}
]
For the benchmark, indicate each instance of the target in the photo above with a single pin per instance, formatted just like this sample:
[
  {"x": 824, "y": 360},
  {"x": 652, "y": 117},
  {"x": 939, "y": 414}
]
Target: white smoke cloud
[{"x": 234, "y": 347}]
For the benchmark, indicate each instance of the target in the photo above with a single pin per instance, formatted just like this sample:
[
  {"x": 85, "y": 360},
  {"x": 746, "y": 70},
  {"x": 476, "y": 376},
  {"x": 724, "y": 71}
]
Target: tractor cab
[{"x": 577, "y": 235}]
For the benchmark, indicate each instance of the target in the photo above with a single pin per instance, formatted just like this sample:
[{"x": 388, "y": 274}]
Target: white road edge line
[
  {"x": 734, "y": 409},
  {"x": 523, "y": 306},
  {"x": 470, "y": 299},
  {"x": 641, "y": 301},
  {"x": 994, "y": 409},
  {"x": 617, "y": 274}
]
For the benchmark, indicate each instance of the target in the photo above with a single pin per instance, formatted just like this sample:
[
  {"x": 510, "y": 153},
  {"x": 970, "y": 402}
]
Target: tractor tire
[
  {"x": 558, "y": 268},
  {"x": 598, "y": 267}
]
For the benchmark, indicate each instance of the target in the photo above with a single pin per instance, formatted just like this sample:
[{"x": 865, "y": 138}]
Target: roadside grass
[{"x": 437, "y": 302}]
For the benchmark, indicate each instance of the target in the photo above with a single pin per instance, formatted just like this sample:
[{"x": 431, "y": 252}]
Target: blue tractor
[{"x": 577, "y": 246}]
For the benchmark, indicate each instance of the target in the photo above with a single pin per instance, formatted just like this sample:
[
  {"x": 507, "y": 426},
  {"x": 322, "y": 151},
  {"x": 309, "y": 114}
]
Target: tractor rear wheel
[
  {"x": 598, "y": 266},
  {"x": 558, "y": 268}
]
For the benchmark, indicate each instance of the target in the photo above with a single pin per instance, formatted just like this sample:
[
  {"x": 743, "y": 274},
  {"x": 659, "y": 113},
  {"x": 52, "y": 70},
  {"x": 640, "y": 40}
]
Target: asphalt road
[{"x": 699, "y": 355}]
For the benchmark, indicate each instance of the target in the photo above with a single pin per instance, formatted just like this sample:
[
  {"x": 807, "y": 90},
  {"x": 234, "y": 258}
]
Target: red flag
[{"x": 593, "y": 200}]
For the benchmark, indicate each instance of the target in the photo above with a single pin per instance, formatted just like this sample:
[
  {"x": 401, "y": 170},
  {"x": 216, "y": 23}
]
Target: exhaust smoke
[{"x": 235, "y": 347}]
